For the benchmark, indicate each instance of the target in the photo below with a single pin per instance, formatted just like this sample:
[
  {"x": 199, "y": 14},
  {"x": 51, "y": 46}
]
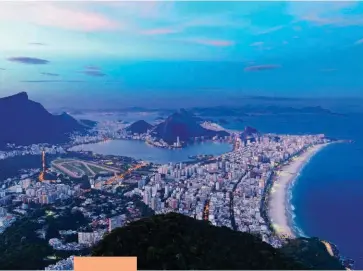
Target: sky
[{"x": 154, "y": 53}]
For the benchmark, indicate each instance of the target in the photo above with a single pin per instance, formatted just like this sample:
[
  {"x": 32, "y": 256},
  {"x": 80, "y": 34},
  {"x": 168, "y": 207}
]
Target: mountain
[
  {"x": 139, "y": 127},
  {"x": 25, "y": 122},
  {"x": 259, "y": 109},
  {"x": 174, "y": 242},
  {"x": 249, "y": 131},
  {"x": 89, "y": 123},
  {"x": 184, "y": 125}
]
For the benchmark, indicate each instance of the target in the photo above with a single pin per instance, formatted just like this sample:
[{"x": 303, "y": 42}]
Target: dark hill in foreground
[
  {"x": 25, "y": 122},
  {"x": 175, "y": 241}
]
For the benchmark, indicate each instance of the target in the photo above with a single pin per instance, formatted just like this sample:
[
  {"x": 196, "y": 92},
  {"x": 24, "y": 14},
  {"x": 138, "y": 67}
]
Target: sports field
[{"x": 76, "y": 168}]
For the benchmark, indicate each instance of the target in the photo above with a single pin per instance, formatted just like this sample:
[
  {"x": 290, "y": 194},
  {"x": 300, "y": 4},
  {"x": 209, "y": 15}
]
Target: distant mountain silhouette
[
  {"x": 25, "y": 122},
  {"x": 184, "y": 125},
  {"x": 247, "y": 110},
  {"x": 139, "y": 127}
]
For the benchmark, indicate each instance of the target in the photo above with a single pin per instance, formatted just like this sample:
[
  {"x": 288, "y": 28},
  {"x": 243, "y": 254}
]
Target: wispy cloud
[
  {"x": 257, "y": 44},
  {"x": 93, "y": 71},
  {"x": 325, "y": 12},
  {"x": 262, "y": 67},
  {"x": 212, "y": 42},
  {"x": 28, "y": 60},
  {"x": 270, "y": 30},
  {"x": 51, "y": 81},
  {"x": 37, "y": 43},
  {"x": 94, "y": 68},
  {"x": 359, "y": 42},
  {"x": 160, "y": 31},
  {"x": 59, "y": 15},
  {"x": 2, "y": 69},
  {"x": 49, "y": 74}
]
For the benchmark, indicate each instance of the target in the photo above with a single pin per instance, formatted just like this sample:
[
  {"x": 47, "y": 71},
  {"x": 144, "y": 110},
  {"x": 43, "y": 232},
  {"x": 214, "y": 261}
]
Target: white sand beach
[{"x": 277, "y": 200}]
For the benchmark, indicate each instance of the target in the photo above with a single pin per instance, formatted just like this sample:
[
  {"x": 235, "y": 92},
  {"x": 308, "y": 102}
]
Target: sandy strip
[{"x": 277, "y": 200}]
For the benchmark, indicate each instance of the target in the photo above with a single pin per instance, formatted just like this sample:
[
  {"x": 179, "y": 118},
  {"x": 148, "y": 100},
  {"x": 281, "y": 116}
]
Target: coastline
[{"x": 279, "y": 209}]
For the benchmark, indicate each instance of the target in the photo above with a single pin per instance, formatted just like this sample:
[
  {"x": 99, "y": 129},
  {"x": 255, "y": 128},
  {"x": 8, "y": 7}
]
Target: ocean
[{"x": 327, "y": 196}]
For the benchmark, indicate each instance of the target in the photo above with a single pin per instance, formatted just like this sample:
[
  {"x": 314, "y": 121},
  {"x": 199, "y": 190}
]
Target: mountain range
[
  {"x": 25, "y": 122},
  {"x": 260, "y": 109}
]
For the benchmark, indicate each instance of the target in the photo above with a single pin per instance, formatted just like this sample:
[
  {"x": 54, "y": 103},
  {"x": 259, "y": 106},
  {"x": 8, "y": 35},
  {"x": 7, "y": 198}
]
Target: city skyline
[{"x": 123, "y": 53}]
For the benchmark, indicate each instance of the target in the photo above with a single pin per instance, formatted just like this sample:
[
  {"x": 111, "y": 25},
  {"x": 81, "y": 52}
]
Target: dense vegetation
[
  {"x": 312, "y": 253},
  {"x": 174, "y": 241},
  {"x": 22, "y": 249}
]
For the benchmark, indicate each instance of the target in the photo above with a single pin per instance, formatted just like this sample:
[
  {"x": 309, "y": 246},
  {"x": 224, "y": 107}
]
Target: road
[
  {"x": 233, "y": 221},
  {"x": 113, "y": 179}
]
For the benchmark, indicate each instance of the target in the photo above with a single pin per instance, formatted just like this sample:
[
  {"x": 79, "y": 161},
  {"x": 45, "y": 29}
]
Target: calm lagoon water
[{"x": 143, "y": 151}]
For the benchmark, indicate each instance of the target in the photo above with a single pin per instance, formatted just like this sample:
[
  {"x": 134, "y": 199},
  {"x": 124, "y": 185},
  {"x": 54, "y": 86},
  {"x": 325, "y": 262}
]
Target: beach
[{"x": 277, "y": 205}]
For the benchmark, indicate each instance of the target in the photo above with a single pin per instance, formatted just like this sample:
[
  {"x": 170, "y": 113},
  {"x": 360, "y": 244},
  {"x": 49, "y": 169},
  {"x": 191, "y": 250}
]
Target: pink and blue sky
[{"x": 122, "y": 52}]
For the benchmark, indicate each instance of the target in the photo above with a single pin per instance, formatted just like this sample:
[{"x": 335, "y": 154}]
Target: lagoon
[{"x": 140, "y": 150}]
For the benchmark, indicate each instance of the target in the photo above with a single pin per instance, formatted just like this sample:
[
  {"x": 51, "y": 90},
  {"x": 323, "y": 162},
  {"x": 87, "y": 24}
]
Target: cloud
[
  {"x": 270, "y": 30},
  {"x": 262, "y": 67},
  {"x": 93, "y": 71},
  {"x": 60, "y": 15},
  {"x": 2, "y": 69},
  {"x": 359, "y": 42},
  {"x": 94, "y": 68},
  {"x": 257, "y": 44},
  {"x": 212, "y": 42},
  {"x": 28, "y": 60},
  {"x": 143, "y": 9},
  {"x": 51, "y": 81},
  {"x": 37, "y": 43},
  {"x": 49, "y": 74},
  {"x": 160, "y": 31},
  {"x": 325, "y": 13}
]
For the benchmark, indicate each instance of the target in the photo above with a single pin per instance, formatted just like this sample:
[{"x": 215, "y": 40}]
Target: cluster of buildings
[
  {"x": 29, "y": 191},
  {"x": 66, "y": 264},
  {"x": 5, "y": 219},
  {"x": 228, "y": 190},
  {"x": 58, "y": 244},
  {"x": 35, "y": 149}
]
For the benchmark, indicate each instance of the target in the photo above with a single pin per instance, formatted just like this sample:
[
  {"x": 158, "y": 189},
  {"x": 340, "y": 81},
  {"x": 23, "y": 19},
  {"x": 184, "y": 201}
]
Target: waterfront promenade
[{"x": 277, "y": 206}]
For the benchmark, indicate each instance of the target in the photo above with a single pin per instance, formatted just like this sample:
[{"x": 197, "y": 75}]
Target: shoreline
[{"x": 279, "y": 210}]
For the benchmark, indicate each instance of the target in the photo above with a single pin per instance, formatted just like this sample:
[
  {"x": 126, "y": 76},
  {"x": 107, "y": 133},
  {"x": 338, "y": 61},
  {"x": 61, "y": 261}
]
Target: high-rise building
[
  {"x": 2, "y": 212},
  {"x": 146, "y": 197},
  {"x": 166, "y": 192},
  {"x": 116, "y": 222}
]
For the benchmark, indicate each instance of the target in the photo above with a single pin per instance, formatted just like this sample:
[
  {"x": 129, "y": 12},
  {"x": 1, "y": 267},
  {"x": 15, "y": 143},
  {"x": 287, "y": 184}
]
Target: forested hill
[{"x": 175, "y": 242}]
